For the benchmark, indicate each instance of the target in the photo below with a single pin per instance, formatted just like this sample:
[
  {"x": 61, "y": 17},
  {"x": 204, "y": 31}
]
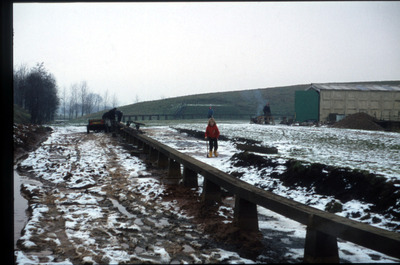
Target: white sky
[{"x": 156, "y": 50}]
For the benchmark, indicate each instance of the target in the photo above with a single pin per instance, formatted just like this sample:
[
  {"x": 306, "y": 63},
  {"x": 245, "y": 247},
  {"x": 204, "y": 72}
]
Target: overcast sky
[{"x": 162, "y": 50}]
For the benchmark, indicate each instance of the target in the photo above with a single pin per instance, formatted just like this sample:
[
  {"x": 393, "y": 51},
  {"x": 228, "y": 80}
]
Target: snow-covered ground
[
  {"x": 96, "y": 203},
  {"x": 377, "y": 152},
  {"x": 83, "y": 208},
  {"x": 336, "y": 147}
]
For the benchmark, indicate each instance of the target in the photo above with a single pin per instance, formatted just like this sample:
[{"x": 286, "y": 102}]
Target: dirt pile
[
  {"x": 28, "y": 137},
  {"x": 200, "y": 135},
  {"x": 344, "y": 184},
  {"x": 360, "y": 121}
]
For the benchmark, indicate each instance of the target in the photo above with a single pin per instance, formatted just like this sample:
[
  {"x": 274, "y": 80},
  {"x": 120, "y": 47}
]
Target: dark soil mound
[
  {"x": 246, "y": 159},
  {"x": 197, "y": 134},
  {"x": 28, "y": 137},
  {"x": 344, "y": 184},
  {"x": 360, "y": 121},
  {"x": 200, "y": 135}
]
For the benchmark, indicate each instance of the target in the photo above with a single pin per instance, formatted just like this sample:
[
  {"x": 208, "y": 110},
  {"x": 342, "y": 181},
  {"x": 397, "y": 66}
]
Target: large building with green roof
[{"x": 333, "y": 101}]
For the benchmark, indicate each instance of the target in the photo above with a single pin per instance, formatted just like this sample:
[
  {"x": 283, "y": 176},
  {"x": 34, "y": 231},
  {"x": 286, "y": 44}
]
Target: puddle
[
  {"x": 21, "y": 215},
  {"x": 20, "y": 208},
  {"x": 122, "y": 209}
]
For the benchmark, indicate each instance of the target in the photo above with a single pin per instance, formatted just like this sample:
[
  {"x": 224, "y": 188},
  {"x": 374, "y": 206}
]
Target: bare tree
[
  {"x": 90, "y": 102},
  {"x": 114, "y": 101},
  {"x": 73, "y": 101},
  {"x": 83, "y": 93},
  {"x": 64, "y": 100},
  {"x": 81, "y": 101},
  {"x": 105, "y": 100},
  {"x": 97, "y": 101}
]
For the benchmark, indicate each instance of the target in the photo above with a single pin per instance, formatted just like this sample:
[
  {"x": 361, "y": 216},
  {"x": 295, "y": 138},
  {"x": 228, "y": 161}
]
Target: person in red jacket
[{"x": 212, "y": 134}]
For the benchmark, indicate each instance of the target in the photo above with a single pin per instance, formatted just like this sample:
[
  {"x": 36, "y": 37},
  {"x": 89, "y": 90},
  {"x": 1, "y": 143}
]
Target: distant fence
[
  {"x": 142, "y": 117},
  {"x": 323, "y": 228}
]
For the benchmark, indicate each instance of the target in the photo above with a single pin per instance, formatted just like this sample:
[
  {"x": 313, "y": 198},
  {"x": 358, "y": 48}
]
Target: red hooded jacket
[{"x": 212, "y": 131}]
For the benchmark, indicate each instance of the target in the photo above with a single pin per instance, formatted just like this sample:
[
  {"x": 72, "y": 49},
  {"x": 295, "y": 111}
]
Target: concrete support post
[
  {"x": 153, "y": 155},
  {"x": 174, "y": 169},
  {"x": 146, "y": 148},
  {"x": 245, "y": 216},
  {"x": 162, "y": 160},
  {"x": 319, "y": 247},
  {"x": 189, "y": 178},
  {"x": 130, "y": 139},
  {"x": 211, "y": 192}
]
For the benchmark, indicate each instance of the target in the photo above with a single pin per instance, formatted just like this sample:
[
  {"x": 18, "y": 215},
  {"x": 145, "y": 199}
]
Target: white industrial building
[{"x": 381, "y": 101}]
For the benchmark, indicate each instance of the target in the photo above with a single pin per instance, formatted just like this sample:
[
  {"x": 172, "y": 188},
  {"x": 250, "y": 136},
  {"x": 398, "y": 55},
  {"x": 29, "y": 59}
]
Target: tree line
[
  {"x": 36, "y": 91},
  {"x": 79, "y": 100}
]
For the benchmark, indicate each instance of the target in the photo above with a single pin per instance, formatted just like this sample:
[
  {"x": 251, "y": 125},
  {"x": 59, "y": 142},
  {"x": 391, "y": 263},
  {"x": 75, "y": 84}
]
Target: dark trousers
[{"x": 213, "y": 143}]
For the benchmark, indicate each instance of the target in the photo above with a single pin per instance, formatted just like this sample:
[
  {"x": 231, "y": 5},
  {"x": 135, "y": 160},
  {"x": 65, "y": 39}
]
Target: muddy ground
[
  {"x": 207, "y": 228},
  {"x": 196, "y": 239},
  {"x": 27, "y": 138}
]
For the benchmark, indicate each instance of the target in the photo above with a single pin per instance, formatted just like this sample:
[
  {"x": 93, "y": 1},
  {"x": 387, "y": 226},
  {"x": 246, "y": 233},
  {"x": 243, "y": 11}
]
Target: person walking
[
  {"x": 267, "y": 113},
  {"x": 210, "y": 113},
  {"x": 109, "y": 119},
  {"x": 212, "y": 135},
  {"x": 119, "y": 115}
]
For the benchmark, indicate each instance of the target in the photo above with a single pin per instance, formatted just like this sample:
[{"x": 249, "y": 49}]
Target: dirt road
[
  {"x": 97, "y": 203},
  {"x": 95, "y": 199}
]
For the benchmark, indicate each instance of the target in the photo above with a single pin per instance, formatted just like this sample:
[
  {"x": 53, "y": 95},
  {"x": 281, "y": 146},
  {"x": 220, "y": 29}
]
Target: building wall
[
  {"x": 384, "y": 105},
  {"x": 306, "y": 105}
]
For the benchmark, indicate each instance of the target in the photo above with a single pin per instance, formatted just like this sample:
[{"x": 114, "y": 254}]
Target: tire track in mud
[
  {"x": 159, "y": 227},
  {"x": 52, "y": 240},
  {"x": 108, "y": 219}
]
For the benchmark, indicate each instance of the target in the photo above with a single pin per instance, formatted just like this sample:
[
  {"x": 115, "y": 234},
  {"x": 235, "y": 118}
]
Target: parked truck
[{"x": 96, "y": 125}]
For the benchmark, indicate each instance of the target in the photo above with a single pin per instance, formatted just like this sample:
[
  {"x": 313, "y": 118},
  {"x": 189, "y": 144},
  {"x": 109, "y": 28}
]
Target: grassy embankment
[{"x": 244, "y": 102}]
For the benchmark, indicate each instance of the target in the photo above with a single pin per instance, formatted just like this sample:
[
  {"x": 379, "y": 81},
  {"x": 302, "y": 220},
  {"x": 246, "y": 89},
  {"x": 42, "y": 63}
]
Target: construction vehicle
[{"x": 97, "y": 125}]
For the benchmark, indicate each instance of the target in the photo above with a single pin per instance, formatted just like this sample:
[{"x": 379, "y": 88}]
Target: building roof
[{"x": 354, "y": 86}]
